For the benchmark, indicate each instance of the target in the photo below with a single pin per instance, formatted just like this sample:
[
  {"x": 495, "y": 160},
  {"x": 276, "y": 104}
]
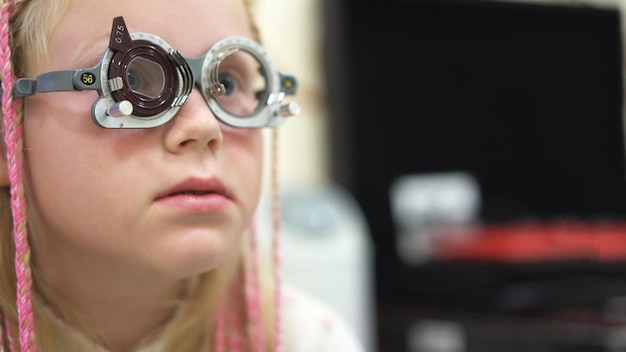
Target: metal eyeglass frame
[{"x": 119, "y": 107}]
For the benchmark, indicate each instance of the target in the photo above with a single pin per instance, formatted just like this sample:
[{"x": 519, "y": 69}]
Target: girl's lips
[{"x": 197, "y": 195}]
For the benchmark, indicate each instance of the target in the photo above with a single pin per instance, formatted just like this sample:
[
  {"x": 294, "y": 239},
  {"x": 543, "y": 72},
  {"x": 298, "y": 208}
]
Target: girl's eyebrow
[{"x": 89, "y": 55}]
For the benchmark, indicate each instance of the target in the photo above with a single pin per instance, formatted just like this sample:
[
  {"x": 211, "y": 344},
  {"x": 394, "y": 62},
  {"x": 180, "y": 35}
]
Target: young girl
[{"x": 133, "y": 171}]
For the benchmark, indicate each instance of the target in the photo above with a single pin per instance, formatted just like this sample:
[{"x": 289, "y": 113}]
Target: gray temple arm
[{"x": 57, "y": 81}]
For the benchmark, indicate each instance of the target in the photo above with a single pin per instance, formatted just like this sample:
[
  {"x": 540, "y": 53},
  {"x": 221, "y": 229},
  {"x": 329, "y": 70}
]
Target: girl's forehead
[{"x": 84, "y": 31}]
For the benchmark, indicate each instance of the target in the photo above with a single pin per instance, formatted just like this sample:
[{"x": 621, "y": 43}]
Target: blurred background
[{"x": 456, "y": 181}]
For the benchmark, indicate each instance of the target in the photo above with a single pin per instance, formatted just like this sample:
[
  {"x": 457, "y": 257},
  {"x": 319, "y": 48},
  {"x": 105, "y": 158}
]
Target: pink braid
[
  {"x": 13, "y": 140},
  {"x": 235, "y": 333},
  {"x": 276, "y": 220},
  {"x": 228, "y": 316},
  {"x": 256, "y": 330},
  {"x": 220, "y": 330}
]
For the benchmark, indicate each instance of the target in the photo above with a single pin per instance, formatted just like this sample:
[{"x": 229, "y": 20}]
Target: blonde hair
[{"x": 224, "y": 309}]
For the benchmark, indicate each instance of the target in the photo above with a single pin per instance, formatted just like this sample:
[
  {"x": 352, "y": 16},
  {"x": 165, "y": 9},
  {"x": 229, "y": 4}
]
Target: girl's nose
[{"x": 194, "y": 127}]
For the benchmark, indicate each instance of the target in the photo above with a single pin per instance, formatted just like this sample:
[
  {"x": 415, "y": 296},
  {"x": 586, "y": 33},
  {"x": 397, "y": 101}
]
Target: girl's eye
[
  {"x": 145, "y": 76},
  {"x": 229, "y": 82},
  {"x": 134, "y": 80}
]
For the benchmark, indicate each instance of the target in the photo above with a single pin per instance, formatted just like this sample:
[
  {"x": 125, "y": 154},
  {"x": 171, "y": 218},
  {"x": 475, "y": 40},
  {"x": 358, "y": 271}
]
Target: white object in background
[
  {"x": 437, "y": 336},
  {"x": 422, "y": 202},
  {"x": 327, "y": 253}
]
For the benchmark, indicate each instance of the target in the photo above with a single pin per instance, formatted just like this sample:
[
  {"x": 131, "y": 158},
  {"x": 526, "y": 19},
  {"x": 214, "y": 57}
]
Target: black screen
[{"x": 525, "y": 97}]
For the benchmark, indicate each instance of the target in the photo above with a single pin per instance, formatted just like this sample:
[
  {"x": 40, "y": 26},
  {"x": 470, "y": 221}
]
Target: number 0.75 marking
[{"x": 119, "y": 34}]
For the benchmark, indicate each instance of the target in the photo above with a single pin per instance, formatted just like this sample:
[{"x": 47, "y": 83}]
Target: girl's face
[{"x": 172, "y": 200}]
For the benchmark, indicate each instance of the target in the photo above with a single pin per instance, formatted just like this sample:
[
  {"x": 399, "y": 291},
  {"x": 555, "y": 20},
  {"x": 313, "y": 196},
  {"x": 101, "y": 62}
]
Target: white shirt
[
  {"x": 308, "y": 326},
  {"x": 311, "y": 326}
]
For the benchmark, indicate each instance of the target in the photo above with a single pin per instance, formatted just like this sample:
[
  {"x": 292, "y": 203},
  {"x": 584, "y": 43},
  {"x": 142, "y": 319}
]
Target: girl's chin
[{"x": 187, "y": 261}]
